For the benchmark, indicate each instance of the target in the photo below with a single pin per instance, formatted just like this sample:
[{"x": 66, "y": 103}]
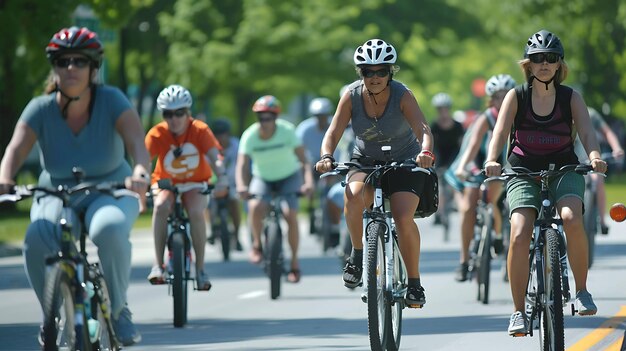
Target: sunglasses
[
  {"x": 266, "y": 117},
  {"x": 181, "y": 112},
  {"x": 368, "y": 73},
  {"x": 78, "y": 62},
  {"x": 550, "y": 57}
]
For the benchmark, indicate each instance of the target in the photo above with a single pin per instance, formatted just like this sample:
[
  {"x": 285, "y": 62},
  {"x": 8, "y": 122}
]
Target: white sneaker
[{"x": 518, "y": 325}]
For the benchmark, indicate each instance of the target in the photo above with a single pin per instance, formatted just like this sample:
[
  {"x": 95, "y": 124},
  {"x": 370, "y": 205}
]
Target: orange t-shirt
[{"x": 190, "y": 162}]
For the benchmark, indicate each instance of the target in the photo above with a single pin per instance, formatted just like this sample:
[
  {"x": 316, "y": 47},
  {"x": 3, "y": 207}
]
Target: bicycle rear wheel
[
  {"x": 377, "y": 310},
  {"x": 179, "y": 281},
  {"x": 61, "y": 330},
  {"x": 224, "y": 232},
  {"x": 274, "y": 266},
  {"x": 101, "y": 311},
  {"x": 484, "y": 250},
  {"x": 551, "y": 332}
]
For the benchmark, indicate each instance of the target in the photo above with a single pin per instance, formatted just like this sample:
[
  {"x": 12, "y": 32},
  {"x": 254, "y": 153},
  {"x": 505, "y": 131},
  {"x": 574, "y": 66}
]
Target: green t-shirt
[{"x": 275, "y": 158}]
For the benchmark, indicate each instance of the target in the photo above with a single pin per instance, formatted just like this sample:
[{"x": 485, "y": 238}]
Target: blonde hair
[
  {"x": 50, "y": 85},
  {"x": 559, "y": 77}
]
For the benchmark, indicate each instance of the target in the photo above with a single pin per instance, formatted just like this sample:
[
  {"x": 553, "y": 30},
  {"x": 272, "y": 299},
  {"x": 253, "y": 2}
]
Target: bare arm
[
  {"x": 586, "y": 132},
  {"x": 478, "y": 131},
  {"x": 501, "y": 131},
  {"x": 613, "y": 141},
  {"x": 414, "y": 116},
  {"x": 242, "y": 174},
  {"x": 129, "y": 127},
  {"x": 15, "y": 154},
  {"x": 308, "y": 185}
]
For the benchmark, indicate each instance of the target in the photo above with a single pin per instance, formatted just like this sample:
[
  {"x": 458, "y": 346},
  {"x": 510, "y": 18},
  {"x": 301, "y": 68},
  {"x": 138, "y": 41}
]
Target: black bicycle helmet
[
  {"x": 544, "y": 41},
  {"x": 75, "y": 40},
  {"x": 220, "y": 126}
]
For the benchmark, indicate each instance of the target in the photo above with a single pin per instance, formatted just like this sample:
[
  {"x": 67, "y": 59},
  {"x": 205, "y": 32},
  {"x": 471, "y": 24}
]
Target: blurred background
[{"x": 230, "y": 52}]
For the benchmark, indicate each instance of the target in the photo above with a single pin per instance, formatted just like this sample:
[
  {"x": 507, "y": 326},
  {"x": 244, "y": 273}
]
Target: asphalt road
[{"x": 320, "y": 314}]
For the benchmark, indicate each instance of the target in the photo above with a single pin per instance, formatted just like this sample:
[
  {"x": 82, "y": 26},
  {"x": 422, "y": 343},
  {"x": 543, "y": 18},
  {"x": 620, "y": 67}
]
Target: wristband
[
  {"x": 595, "y": 158},
  {"x": 327, "y": 157},
  {"x": 428, "y": 153}
]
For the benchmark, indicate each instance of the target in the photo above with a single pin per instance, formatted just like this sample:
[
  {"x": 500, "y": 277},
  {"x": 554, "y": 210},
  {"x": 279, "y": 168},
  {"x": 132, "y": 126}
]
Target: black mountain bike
[
  {"x": 76, "y": 303},
  {"x": 218, "y": 207},
  {"x": 548, "y": 285},
  {"x": 179, "y": 248},
  {"x": 384, "y": 268}
]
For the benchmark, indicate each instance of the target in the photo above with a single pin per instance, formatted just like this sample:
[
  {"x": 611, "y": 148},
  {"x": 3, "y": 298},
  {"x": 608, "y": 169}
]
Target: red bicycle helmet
[
  {"x": 267, "y": 103},
  {"x": 75, "y": 40}
]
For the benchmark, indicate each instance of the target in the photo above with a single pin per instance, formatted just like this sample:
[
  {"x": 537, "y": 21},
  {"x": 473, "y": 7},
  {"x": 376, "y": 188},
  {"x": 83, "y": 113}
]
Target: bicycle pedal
[
  {"x": 415, "y": 306},
  {"x": 519, "y": 335},
  {"x": 574, "y": 310}
]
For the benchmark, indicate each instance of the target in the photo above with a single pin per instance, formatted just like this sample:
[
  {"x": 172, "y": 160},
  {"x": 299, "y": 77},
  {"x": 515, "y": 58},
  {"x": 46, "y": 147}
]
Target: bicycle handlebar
[
  {"x": 62, "y": 192},
  {"x": 526, "y": 173},
  {"x": 342, "y": 168},
  {"x": 166, "y": 184}
]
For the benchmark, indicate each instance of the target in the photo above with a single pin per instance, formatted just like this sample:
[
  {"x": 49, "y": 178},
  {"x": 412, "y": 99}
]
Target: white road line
[{"x": 251, "y": 295}]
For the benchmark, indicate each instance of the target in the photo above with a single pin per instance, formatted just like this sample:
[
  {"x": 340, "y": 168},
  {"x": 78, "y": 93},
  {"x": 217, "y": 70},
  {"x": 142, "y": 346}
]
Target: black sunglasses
[
  {"x": 544, "y": 56},
  {"x": 369, "y": 73},
  {"x": 266, "y": 117},
  {"x": 78, "y": 62},
  {"x": 181, "y": 112}
]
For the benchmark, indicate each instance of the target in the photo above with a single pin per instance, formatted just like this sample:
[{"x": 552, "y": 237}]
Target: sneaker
[
  {"x": 584, "y": 303},
  {"x": 202, "y": 282},
  {"x": 415, "y": 297},
  {"x": 238, "y": 246},
  {"x": 156, "y": 276},
  {"x": 351, "y": 274},
  {"x": 498, "y": 245},
  {"x": 125, "y": 331},
  {"x": 604, "y": 229},
  {"x": 461, "y": 272},
  {"x": 518, "y": 324},
  {"x": 256, "y": 255}
]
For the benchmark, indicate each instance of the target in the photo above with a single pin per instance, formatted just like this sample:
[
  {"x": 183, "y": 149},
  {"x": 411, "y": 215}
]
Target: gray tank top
[{"x": 391, "y": 129}]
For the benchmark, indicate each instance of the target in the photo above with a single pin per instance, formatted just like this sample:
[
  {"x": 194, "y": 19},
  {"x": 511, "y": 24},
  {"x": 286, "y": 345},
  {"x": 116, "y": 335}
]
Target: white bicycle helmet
[
  {"x": 499, "y": 82},
  {"x": 320, "y": 106},
  {"x": 442, "y": 100},
  {"x": 375, "y": 52},
  {"x": 174, "y": 97}
]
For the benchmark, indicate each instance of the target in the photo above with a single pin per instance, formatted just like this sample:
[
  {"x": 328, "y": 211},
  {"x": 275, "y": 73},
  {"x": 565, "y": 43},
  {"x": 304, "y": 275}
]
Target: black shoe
[
  {"x": 498, "y": 245},
  {"x": 351, "y": 275},
  {"x": 333, "y": 239},
  {"x": 437, "y": 219},
  {"x": 461, "y": 272},
  {"x": 211, "y": 239},
  {"x": 415, "y": 297},
  {"x": 238, "y": 246},
  {"x": 604, "y": 229}
]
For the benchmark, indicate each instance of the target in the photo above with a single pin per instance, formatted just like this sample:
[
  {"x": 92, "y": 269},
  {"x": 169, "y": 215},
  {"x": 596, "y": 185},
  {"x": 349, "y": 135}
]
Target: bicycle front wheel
[
  {"x": 274, "y": 266},
  {"x": 484, "y": 251},
  {"x": 224, "y": 233},
  {"x": 551, "y": 332},
  {"x": 179, "y": 281},
  {"x": 376, "y": 308},
  {"x": 395, "y": 306},
  {"x": 61, "y": 329}
]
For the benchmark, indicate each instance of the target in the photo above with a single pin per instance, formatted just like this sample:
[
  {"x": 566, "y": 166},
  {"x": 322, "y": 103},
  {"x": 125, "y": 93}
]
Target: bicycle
[
  {"x": 218, "y": 207},
  {"x": 384, "y": 267},
  {"x": 76, "y": 302},
  {"x": 591, "y": 216},
  {"x": 484, "y": 243},
  {"x": 548, "y": 286},
  {"x": 179, "y": 247}
]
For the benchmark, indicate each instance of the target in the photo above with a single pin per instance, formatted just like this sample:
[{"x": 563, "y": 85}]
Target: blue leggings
[{"x": 109, "y": 221}]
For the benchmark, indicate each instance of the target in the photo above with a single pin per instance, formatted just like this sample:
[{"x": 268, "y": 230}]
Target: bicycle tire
[
  {"x": 224, "y": 233},
  {"x": 551, "y": 331},
  {"x": 274, "y": 266},
  {"x": 179, "y": 283},
  {"x": 101, "y": 311},
  {"x": 376, "y": 309},
  {"x": 59, "y": 326},
  {"x": 395, "y": 310},
  {"x": 484, "y": 268}
]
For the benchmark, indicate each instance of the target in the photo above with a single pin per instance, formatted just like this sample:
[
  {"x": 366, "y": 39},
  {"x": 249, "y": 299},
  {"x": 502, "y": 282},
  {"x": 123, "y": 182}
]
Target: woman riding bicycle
[
  {"x": 278, "y": 161},
  {"x": 81, "y": 123},
  {"x": 383, "y": 112},
  {"x": 186, "y": 151},
  {"x": 541, "y": 134},
  {"x": 464, "y": 174}
]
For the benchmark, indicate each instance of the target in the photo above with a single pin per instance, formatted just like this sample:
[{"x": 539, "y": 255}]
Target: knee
[{"x": 111, "y": 237}]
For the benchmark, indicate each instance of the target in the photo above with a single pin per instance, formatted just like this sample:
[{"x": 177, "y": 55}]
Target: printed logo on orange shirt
[{"x": 183, "y": 166}]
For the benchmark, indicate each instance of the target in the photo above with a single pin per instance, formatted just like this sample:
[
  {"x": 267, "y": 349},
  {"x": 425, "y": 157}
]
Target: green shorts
[{"x": 523, "y": 192}]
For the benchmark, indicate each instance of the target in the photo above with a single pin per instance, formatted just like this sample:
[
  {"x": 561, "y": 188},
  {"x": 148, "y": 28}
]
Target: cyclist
[
  {"x": 186, "y": 151},
  {"x": 278, "y": 164},
  {"x": 230, "y": 145},
  {"x": 448, "y": 135},
  {"x": 465, "y": 174},
  {"x": 603, "y": 133},
  {"x": 382, "y": 112},
  {"x": 542, "y": 137},
  {"x": 311, "y": 132},
  {"x": 80, "y": 122}
]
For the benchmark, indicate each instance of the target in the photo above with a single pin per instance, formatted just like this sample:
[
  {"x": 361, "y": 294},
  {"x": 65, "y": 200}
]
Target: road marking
[
  {"x": 601, "y": 332},
  {"x": 615, "y": 346},
  {"x": 251, "y": 295}
]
